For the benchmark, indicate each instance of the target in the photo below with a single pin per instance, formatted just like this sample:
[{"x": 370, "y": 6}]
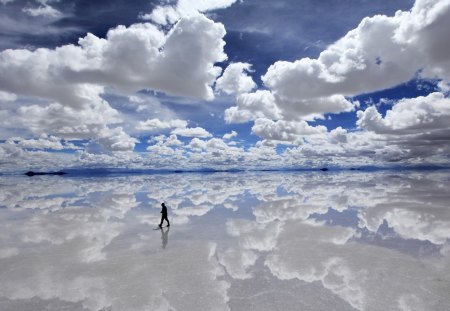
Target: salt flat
[{"x": 237, "y": 241}]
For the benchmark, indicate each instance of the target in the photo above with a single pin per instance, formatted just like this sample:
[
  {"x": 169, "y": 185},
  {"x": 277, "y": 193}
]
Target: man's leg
[
  {"x": 162, "y": 219},
  {"x": 168, "y": 224}
]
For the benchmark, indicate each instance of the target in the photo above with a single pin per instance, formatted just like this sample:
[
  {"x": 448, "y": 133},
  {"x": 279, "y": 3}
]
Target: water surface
[{"x": 237, "y": 241}]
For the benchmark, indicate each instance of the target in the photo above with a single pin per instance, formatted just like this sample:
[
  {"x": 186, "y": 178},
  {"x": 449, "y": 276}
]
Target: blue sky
[{"x": 223, "y": 84}]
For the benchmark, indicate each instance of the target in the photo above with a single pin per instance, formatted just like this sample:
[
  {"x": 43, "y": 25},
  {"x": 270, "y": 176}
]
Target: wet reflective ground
[{"x": 237, "y": 241}]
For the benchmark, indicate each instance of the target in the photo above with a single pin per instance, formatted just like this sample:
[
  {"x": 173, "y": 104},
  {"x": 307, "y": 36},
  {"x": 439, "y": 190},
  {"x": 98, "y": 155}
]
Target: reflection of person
[
  {"x": 164, "y": 215},
  {"x": 164, "y": 237}
]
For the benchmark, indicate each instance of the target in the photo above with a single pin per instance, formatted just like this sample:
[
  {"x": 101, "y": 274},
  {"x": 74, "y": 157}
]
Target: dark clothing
[
  {"x": 164, "y": 216},
  {"x": 164, "y": 211}
]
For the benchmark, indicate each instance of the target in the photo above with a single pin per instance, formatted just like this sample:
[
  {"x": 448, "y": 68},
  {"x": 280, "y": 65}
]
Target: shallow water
[{"x": 237, "y": 241}]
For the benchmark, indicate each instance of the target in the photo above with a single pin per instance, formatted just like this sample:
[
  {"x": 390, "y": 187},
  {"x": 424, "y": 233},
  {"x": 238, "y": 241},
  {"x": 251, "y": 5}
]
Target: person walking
[{"x": 164, "y": 215}]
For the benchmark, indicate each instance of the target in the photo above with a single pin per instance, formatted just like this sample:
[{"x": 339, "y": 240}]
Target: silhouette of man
[{"x": 164, "y": 215}]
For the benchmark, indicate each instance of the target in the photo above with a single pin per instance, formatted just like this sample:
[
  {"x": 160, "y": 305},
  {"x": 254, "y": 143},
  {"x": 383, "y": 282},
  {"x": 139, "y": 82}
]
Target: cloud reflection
[{"x": 89, "y": 241}]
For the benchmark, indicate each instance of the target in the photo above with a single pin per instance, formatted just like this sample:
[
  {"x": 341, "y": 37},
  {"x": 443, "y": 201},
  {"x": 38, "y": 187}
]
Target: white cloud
[
  {"x": 116, "y": 140},
  {"x": 143, "y": 57},
  {"x": 418, "y": 127},
  {"x": 98, "y": 158},
  {"x": 166, "y": 146},
  {"x": 168, "y": 14},
  {"x": 45, "y": 142},
  {"x": 235, "y": 79},
  {"x": 68, "y": 122},
  {"x": 157, "y": 125},
  {"x": 173, "y": 140},
  {"x": 265, "y": 104},
  {"x": 192, "y": 132},
  {"x": 338, "y": 135},
  {"x": 9, "y": 151},
  {"x": 123, "y": 59},
  {"x": 62, "y": 93},
  {"x": 444, "y": 86},
  {"x": 197, "y": 144},
  {"x": 14, "y": 158},
  {"x": 286, "y": 131},
  {"x": 67, "y": 83},
  {"x": 381, "y": 52},
  {"x": 162, "y": 15},
  {"x": 251, "y": 106},
  {"x": 230, "y": 135},
  {"x": 7, "y": 97},
  {"x": 43, "y": 10},
  {"x": 216, "y": 144},
  {"x": 409, "y": 116},
  {"x": 163, "y": 150}
]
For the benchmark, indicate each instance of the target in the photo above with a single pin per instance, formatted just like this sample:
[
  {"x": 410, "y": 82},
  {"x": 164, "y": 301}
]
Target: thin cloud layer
[{"x": 170, "y": 14}]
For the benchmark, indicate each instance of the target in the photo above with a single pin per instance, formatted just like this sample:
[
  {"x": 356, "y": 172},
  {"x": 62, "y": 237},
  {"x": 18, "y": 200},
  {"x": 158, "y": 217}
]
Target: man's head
[{"x": 163, "y": 205}]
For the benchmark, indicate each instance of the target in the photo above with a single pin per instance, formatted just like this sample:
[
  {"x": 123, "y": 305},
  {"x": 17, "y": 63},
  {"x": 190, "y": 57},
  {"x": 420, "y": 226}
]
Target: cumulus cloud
[
  {"x": 192, "y": 132},
  {"x": 235, "y": 79},
  {"x": 265, "y": 104},
  {"x": 418, "y": 126},
  {"x": 116, "y": 140},
  {"x": 157, "y": 125},
  {"x": 68, "y": 83},
  {"x": 230, "y": 135},
  {"x": 286, "y": 131},
  {"x": 44, "y": 142},
  {"x": 166, "y": 145},
  {"x": 123, "y": 59},
  {"x": 251, "y": 106},
  {"x": 170, "y": 14},
  {"x": 215, "y": 148},
  {"x": 378, "y": 54},
  {"x": 173, "y": 140},
  {"x": 9, "y": 151},
  {"x": 338, "y": 135},
  {"x": 197, "y": 144},
  {"x": 86, "y": 117},
  {"x": 409, "y": 116},
  {"x": 14, "y": 157},
  {"x": 66, "y": 92},
  {"x": 69, "y": 122},
  {"x": 381, "y": 52}
]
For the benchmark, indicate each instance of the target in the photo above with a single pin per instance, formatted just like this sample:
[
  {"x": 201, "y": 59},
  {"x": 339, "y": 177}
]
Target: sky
[{"x": 223, "y": 84}]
